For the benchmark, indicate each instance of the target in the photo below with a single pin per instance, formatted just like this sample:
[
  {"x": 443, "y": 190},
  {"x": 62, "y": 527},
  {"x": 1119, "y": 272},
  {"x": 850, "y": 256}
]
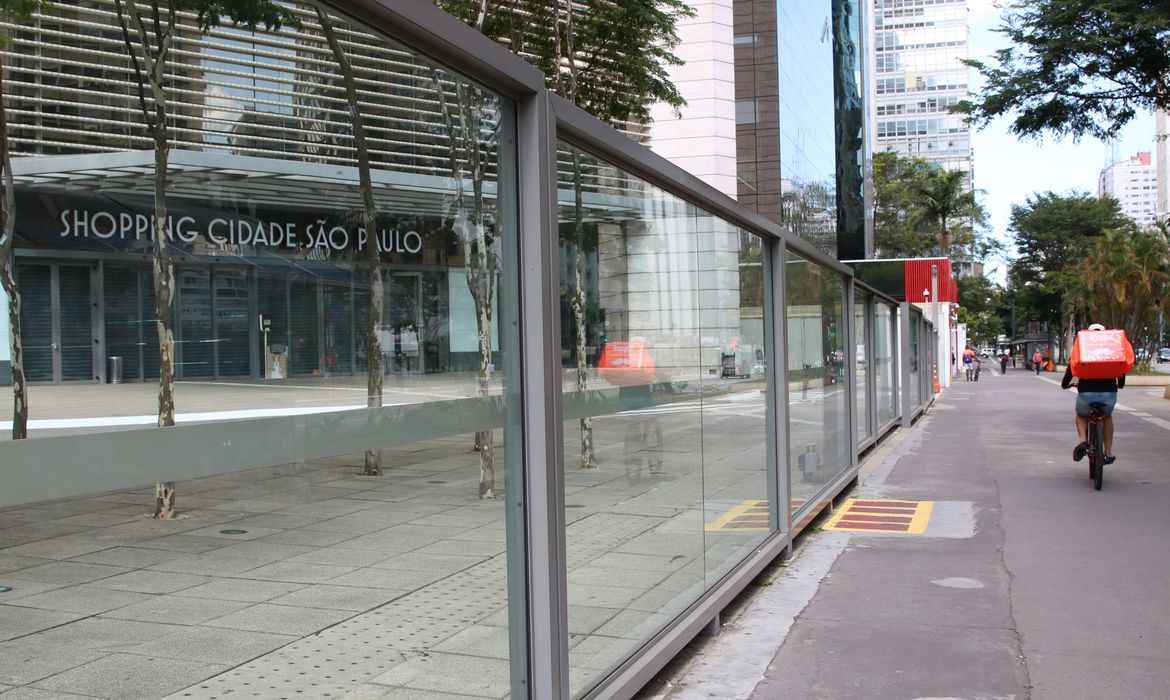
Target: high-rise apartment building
[
  {"x": 1133, "y": 182},
  {"x": 917, "y": 51}
]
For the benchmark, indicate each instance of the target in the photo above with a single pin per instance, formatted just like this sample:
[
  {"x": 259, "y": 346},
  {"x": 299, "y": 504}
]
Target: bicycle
[{"x": 1096, "y": 451}]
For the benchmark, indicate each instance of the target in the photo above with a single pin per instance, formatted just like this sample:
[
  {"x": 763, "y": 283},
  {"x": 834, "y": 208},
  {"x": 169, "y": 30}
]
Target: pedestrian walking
[
  {"x": 969, "y": 364},
  {"x": 1003, "y": 360},
  {"x": 1037, "y": 361}
]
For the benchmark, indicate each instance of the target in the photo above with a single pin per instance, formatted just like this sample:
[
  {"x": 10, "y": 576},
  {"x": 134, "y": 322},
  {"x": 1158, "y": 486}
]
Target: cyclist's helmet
[{"x": 1096, "y": 327}]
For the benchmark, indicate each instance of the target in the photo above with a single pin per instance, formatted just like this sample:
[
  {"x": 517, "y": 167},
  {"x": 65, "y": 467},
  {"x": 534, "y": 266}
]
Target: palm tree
[{"x": 949, "y": 207}]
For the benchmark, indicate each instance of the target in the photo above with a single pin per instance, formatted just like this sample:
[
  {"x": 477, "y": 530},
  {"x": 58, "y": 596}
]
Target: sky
[{"x": 1007, "y": 170}]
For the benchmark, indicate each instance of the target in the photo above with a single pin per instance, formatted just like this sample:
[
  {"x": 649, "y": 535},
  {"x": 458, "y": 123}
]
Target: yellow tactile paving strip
[
  {"x": 875, "y": 515},
  {"x": 746, "y": 516}
]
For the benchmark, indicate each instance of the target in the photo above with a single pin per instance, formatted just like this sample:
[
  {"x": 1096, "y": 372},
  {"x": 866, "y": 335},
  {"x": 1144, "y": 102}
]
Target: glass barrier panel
[
  {"x": 344, "y": 443},
  {"x": 863, "y": 304},
  {"x": 884, "y": 362},
  {"x": 664, "y": 398},
  {"x": 817, "y": 395}
]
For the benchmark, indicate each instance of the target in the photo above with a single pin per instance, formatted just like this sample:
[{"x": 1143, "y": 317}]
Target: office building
[
  {"x": 1133, "y": 182},
  {"x": 918, "y": 76}
]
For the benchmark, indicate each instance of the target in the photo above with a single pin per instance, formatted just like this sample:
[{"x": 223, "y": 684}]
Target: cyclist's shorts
[{"x": 1085, "y": 401}]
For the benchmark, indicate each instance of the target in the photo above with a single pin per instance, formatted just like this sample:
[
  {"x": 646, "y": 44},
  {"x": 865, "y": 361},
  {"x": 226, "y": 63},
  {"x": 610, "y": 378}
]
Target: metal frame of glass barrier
[{"x": 536, "y": 522}]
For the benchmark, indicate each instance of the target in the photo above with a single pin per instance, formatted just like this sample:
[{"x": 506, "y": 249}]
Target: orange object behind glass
[
  {"x": 626, "y": 363},
  {"x": 1101, "y": 355}
]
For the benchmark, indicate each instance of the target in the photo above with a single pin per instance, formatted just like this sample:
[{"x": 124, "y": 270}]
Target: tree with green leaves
[
  {"x": 1076, "y": 67},
  {"x": 1051, "y": 233},
  {"x": 949, "y": 209},
  {"x": 149, "y": 38},
  {"x": 13, "y": 12},
  {"x": 923, "y": 209},
  {"x": 1122, "y": 281},
  {"x": 980, "y": 303},
  {"x": 612, "y": 59},
  {"x": 369, "y": 216}
]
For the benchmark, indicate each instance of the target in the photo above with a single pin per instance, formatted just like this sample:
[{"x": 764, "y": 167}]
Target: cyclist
[{"x": 1089, "y": 392}]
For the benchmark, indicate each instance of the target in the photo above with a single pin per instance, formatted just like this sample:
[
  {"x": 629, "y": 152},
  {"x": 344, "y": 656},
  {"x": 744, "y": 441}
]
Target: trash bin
[{"x": 114, "y": 369}]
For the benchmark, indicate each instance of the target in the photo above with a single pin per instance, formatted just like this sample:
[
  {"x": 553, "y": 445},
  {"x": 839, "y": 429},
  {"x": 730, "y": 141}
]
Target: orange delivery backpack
[
  {"x": 626, "y": 363},
  {"x": 1101, "y": 355}
]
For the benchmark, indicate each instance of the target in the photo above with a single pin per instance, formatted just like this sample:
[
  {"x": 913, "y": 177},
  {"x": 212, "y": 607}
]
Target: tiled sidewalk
[{"x": 306, "y": 580}]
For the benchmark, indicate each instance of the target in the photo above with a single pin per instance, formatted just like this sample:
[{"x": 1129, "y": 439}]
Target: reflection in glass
[
  {"x": 915, "y": 380},
  {"x": 403, "y": 576},
  {"x": 664, "y": 399},
  {"x": 818, "y": 409},
  {"x": 884, "y": 363},
  {"x": 863, "y": 305}
]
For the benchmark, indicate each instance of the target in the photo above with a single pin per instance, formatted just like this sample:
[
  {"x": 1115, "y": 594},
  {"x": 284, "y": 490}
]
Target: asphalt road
[{"x": 1057, "y": 591}]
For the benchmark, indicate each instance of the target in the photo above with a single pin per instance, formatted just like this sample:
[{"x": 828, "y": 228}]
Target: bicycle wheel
[{"x": 1097, "y": 453}]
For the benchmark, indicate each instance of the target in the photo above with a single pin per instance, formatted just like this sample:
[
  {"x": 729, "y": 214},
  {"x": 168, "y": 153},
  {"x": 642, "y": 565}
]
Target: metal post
[
  {"x": 934, "y": 313},
  {"x": 871, "y": 330},
  {"x": 543, "y": 426},
  {"x": 775, "y": 333},
  {"x": 904, "y": 357}
]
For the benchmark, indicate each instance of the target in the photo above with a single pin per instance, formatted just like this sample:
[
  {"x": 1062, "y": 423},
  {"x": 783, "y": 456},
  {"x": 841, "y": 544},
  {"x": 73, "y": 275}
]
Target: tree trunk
[
  {"x": 578, "y": 305},
  {"x": 8, "y": 277},
  {"x": 374, "y": 373},
  {"x": 164, "y": 296}
]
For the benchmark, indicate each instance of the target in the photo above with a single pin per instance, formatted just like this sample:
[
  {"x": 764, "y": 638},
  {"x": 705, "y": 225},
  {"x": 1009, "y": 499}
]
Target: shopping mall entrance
[
  {"x": 96, "y": 321},
  {"x": 59, "y": 321}
]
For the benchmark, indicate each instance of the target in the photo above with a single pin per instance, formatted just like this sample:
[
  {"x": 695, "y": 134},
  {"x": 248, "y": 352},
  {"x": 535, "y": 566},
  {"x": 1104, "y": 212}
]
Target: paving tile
[
  {"x": 308, "y": 538},
  {"x": 262, "y": 551},
  {"x": 338, "y": 556},
  {"x": 478, "y": 640},
  {"x": 332, "y": 597},
  {"x": 68, "y": 573},
  {"x": 173, "y": 609},
  {"x": 600, "y": 652},
  {"x": 88, "y": 599},
  {"x": 206, "y": 565},
  {"x": 451, "y": 673},
  {"x": 371, "y": 691},
  {"x": 25, "y": 661},
  {"x": 216, "y": 532},
  {"x": 98, "y": 519},
  {"x": 17, "y": 622},
  {"x": 439, "y": 563},
  {"x": 404, "y": 580},
  {"x": 130, "y": 676},
  {"x": 10, "y": 563},
  {"x": 23, "y": 589},
  {"x": 240, "y": 590},
  {"x": 279, "y": 619},
  {"x": 211, "y": 645},
  {"x": 153, "y": 581},
  {"x": 102, "y": 634},
  {"x": 130, "y": 557},
  {"x": 189, "y": 544},
  {"x": 29, "y": 693},
  {"x": 464, "y": 548},
  {"x": 297, "y": 572}
]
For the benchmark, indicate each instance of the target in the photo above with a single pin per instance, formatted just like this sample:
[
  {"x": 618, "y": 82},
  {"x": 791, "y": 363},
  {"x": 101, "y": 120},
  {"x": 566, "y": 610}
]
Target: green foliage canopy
[
  {"x": 1076, "y": 67},
  {"x": 921, "y": 209}
]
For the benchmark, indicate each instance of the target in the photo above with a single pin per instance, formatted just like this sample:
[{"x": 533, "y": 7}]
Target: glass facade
[
  {"x": 665, "y": 395},
  {"x": 818, "y": 420},
  {"x": 358, "y": 354}
]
